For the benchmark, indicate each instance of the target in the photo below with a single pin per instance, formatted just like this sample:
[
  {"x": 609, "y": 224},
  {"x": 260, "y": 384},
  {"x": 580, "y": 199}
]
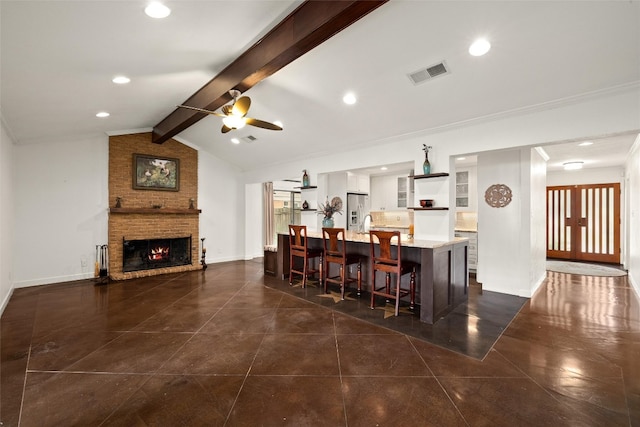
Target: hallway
[{"x": 225, "y": 347}]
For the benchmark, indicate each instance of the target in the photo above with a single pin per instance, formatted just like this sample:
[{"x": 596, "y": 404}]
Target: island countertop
[{"x": 352, "y": 236}]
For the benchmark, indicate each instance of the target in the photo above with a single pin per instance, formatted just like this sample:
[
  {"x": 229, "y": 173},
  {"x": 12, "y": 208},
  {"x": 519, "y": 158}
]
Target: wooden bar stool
[
  {"x": 335, "y": 252},
  {"x": 389, "y": 261},
  {"x": 298, "y": 248}
]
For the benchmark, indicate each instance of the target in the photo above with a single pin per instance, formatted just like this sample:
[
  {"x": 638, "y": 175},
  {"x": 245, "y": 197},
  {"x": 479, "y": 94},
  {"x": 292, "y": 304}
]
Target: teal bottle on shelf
[
  {"x": 426, "y": 166},
  {"x": 305, "y": 179}
]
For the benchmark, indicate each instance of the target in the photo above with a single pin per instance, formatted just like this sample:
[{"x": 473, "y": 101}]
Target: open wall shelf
[
  {"x": 429, "y": 209},
  {"x": 431, "y": 175}
]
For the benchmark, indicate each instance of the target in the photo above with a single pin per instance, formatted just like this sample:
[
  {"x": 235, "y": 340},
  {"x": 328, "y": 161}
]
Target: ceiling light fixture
[
  {"x": 479, "y": 47},
  {"x": 157, "y": 10},
  {"x": 461, "y": 158},
  {"x": 571, "y": 166},
  {"x": 584, "y": 144},
  {"x": 102, "y": 114},
  {"x": 383, "y": 168},
  {"x": 121, "y": 80},
  {"x": 349, "y": 99},
  {"x": 235, "y": 140},
  {"x": 278, "y": 123},
  {"x": 234, "y": 122}
]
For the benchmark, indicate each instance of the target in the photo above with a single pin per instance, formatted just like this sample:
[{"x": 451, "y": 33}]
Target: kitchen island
[{"x": 443, "y": 277}]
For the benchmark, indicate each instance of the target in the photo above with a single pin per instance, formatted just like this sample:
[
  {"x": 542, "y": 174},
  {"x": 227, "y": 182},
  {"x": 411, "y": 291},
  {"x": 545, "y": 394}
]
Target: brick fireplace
[{"x": 151, "y": 214}]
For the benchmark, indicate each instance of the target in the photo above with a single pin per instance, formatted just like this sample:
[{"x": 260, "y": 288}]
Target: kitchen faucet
[{"x": 361, "y": 228}]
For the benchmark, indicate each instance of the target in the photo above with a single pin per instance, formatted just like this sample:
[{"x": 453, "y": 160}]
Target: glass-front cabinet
[{"x": 462, "y": 189}]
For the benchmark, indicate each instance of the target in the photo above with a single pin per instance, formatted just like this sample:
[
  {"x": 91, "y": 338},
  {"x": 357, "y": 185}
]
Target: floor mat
[{"x": 584, "y": 269}]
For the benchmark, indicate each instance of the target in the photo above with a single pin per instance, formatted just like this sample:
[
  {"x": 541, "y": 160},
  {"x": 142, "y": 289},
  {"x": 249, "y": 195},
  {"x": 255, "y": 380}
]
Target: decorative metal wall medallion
[{"x": 498, "y": 196}]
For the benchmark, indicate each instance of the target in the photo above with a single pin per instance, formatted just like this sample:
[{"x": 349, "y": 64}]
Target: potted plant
[{"x": 328, "y": 209}]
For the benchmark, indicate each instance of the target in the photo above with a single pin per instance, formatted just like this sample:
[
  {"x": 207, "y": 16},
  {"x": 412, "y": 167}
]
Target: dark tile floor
[
  {"x": 483, "y": 318},
  {"x": 228, "y": 347}
]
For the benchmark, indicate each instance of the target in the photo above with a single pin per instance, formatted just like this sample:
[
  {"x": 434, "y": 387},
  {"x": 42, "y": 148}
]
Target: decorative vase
[
  {"x": 327, "y": 222},
  {"x": 305, "y": 179},
  {"x": 305, "y": 205},
  {"x": 426, "y": 166}
]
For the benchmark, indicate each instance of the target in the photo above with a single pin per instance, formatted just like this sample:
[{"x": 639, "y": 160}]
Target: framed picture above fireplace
[{"x": 155, "y": 173}]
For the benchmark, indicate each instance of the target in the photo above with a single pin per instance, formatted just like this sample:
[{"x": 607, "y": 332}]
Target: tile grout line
[
  {"x": 264, "y": 336},
  {"x": 335, "y": 338},
  {"x": 437, "y": 380}
]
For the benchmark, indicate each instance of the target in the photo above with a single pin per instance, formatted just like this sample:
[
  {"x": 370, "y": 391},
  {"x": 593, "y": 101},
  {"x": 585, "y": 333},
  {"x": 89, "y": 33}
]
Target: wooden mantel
[{"x": 155, "y": 211}]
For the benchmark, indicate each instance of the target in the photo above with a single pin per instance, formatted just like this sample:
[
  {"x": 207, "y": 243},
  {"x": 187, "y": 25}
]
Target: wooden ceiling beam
[{"x": 312, "y": 23}]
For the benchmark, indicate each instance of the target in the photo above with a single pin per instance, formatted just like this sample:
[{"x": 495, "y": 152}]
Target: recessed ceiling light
[
  {"x": 479, "y": 47},
  {"x": 157, "y": 10},
  {"x": 384, "y": 168},
  {"x": 102, "y": 114},
  {"x": 349, "y": 99},
  {"x": 461, "y": 158},
  {"x": 571, "y": 166},
  {"x": 235, "y": 140},
  {"x": 584, "y": 144},
  {"x": 121, "y": 80},
  {"x": 278, "y": 123}
]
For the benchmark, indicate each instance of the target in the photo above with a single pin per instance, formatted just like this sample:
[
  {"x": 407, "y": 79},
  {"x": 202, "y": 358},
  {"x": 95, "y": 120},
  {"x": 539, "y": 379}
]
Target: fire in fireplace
[
  {"x": 149, "y": 254},
  {"x": 159, "y": 253}
]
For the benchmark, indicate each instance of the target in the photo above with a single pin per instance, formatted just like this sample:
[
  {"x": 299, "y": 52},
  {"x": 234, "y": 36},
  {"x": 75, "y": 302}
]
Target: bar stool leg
[
  {"x": 342, "y": 282},
  {"x": 387, "y": 282},
  {"x": 398, "y": 294},
  {"x": 359, "y": 277},
  {"x": 412, "y": 288}
]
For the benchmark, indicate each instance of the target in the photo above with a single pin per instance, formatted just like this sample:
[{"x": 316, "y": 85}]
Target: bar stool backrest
[{"x": 384, "y": 255}]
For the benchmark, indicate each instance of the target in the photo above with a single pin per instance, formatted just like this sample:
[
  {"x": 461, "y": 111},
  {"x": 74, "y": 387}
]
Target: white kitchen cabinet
[
  {"x": 357, "y": 183},
  {"x": 384, "y": 193},
  {"x": 473, "y": 248}
]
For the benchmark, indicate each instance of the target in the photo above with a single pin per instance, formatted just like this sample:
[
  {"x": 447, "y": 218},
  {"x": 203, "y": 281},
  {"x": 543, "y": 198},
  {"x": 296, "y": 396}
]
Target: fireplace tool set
[
  {"x": 203, "y": 256},
  {"x": 102, "y": 262}
]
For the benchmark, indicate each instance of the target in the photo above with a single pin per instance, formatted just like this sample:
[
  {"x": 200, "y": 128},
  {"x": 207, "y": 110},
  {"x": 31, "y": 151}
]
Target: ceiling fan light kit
[{"x": 234, "y": 114}]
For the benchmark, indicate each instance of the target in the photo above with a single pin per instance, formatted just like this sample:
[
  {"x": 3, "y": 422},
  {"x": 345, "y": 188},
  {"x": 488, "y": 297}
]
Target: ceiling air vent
[
  {"x": 248, "y": 139},
  {"x": 428, "y": 73}
]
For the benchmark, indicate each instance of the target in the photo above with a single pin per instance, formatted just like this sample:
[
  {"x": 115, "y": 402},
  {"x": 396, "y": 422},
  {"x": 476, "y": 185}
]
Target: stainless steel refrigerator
[{"x": 357, "y": 208}]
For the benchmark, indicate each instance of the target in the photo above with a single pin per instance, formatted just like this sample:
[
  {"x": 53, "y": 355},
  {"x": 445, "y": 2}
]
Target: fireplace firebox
[{"x": 150, "y": 254}]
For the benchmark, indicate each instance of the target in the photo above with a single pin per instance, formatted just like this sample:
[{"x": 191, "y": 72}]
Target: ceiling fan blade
[
  {"x": 241, "y": 106},
  {"x": 201, "y": 110},
  {"x": 261, "y": 124},
  {"x": 225, "y": 129},
  {"x": 226, "y": 110}
]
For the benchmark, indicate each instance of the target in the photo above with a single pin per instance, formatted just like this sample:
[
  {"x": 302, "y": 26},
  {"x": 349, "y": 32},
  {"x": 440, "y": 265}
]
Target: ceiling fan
[{"x": 234, "y": 114}]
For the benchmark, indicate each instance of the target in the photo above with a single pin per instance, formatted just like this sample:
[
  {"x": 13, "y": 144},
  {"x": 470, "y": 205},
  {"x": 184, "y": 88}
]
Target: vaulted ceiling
[{"x": 58, "y": 59}]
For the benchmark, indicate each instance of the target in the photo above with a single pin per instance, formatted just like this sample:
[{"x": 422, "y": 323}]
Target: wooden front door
[{"x": 583, "y": 222}]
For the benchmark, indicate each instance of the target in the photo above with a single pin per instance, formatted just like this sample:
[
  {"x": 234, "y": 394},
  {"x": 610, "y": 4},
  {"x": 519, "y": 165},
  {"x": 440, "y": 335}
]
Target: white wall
[
  {"x": 221, "y": 196},
  {"x": 586, "y": 176},
  {"x": 501, "y": 230},
  {"x": 633, "y": 215},
  {"x": 61, "y": 197},
  {"x": 6, "y": 217},
  {"x": 537, "y": 220},
  {"x": 511, "y": 239}
]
